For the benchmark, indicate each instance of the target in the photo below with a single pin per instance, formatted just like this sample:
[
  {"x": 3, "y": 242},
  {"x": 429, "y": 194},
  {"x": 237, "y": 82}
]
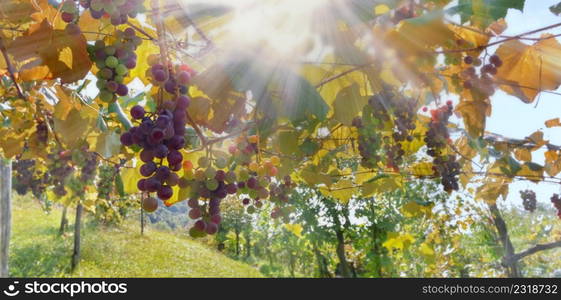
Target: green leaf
[
  {"x": 108, "y": 144},
  {"x": 348, "y": 103},
  {"x": 119, "y": 185},
  {"x": 555, "y": 9},
  {"x": 288, "y": 142},
  {"x": 484, "y": 12}
]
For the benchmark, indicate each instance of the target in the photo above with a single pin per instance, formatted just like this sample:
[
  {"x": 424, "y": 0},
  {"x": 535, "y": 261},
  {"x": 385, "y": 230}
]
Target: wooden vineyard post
[
  {"x": 77, "y": 225},
  {"x": 5, "y": 214}
]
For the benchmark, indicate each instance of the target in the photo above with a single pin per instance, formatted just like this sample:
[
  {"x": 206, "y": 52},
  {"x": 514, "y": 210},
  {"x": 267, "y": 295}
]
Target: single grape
[
  {"x": 137, "y": 112},
  {"x": 149, "y": 204}
]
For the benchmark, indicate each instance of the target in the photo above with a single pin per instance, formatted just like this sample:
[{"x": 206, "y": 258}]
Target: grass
[{"x": 36, "y": 250}]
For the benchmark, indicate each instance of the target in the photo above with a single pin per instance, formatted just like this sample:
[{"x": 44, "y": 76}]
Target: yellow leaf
[
  {"x": 130, "y": 178},
  {"x": 537, "y": 139},
  {"x": 474, "y": 113},
  {"x": 312, "y": 176},
  {"x": 199, "y": 109},
  {"x": 427, "y": 252},
  {"x": 16, "y": 11},
  {"x": 381, "y": 185},
  {"x": 464, "y": 148},
  {"x": 12, "y": 145},
  {"x": 381, "y": 9},
  {"x": 422, "y": 169},
  {"x": 42, "y": 46},
  {"x": 348, "y": 104},
  {"x": 529, "y": 69},
  {"x": 414, "y": 37},
  {"x": 296, "y": 229},
  {"x": 523, "y": 154},
  {"x": 343, "y": 190},
  {"x": 75, "y": 127},
  {"x": 553, "y": 123},
  {"x": 470, "y": 36},
  {"x": 491, "y": 190},
  {"x": 532, "y": 172},
  {"x": 413, "y": 209},
  {"x": 397, "y": 241}
]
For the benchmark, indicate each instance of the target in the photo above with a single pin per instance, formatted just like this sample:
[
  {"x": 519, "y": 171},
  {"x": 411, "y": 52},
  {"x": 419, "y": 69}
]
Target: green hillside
[{"x": 37, "y": 251}]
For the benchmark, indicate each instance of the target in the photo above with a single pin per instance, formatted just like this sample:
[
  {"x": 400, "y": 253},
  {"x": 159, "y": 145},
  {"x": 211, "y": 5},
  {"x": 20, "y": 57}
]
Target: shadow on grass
[{"x": 49, "y": 257}]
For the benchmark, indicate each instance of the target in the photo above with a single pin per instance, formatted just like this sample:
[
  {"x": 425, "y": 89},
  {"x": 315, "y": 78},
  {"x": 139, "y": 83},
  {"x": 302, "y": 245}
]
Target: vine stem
[
  {"x": 11, "y": 69},
  {"x": 337, "y": 76},
  {"x": 146, "y": 34},
  {"x": 515, "y": 37}
]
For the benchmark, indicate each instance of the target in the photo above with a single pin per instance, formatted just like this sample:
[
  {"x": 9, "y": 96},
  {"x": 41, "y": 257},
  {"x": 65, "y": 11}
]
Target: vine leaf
[
  {"x": 492, "y": 190},
  {"x": 529, "y": 69},
  {"x": 108, "y": 144},
  {"x": 40, "y": 53},
  {"x": 296, "y": 229},
  {"x": 553, "y": 123},
  {"x": 18, "y": 11},
  {"x": 523, "y": 154},
  {"x": 343, "y": 190},
  {"x": 484, "y": 12},
  {"x": 552, "y": 163},
  {"x": 474, "y": 113},
  {"x": 397, "y": 241},
  {"x": 75, "y": 127},
  {"x": 348, "y": 103}
]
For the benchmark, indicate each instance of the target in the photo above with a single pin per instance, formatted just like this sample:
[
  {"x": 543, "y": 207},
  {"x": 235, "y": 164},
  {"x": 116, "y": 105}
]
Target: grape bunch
[
  {"x": 384, "y": 110},
  {"x": 105, "y": 181},
  {"x": 481, "y": 83},
  {"x": 160, "y": 135},
  {"x": 208, "y": 186},
  {"x": 556, "y": 200},
  {"x": 114, "y": 62},
  {"x": 42, "y": 132},
  {"x": 528, "y": 200},
  {"x": 60, "y": 169},
  {"x": 23, "y": 175},
  {"x": 89, "y": 167},
  {"x": 437, "y": 139},
  {"x": 280, "y": 195},
  {"x": 173, "y": 79},
  {"x": 118, "y": 10},
  {"x": 70, "y": 14}
]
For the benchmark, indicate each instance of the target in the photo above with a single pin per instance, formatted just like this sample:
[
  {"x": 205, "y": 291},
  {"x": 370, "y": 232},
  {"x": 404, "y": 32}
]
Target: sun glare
[{"x": 282, "y": 26}]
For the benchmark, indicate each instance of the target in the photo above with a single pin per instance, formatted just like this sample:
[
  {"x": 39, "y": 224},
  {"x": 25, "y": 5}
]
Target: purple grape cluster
[
  {"x": 89, "y": 167},
  {"x": 556, "y": 200},
  {"x": 59, "y": 170},
  {"x": 207, "y": 216},
  {"x": 118, "y": 10},
  {"x": 42, "y": 132},
  {"x": 161, "y": 137},
  {"x": 114, "y": 62},
  {"x": 173, "y": 79}
]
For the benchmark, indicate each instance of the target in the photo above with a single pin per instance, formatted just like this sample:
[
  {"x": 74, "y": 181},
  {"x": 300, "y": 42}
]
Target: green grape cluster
[
  {"x": 105, "y": 181},
  {"x": 114, "y": 62}
]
